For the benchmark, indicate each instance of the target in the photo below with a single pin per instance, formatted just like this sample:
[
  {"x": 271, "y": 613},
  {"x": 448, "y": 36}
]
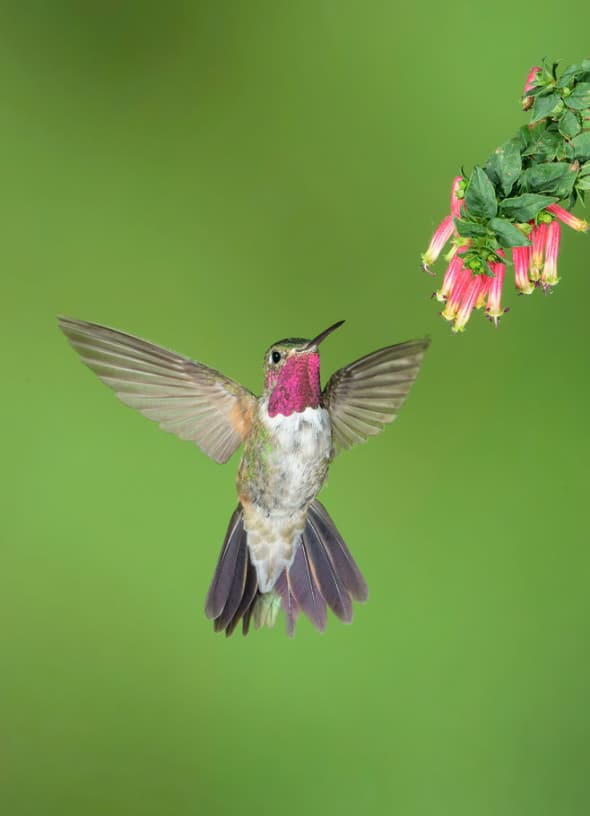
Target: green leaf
[
  {"x": 549, "y": 71},
  {"x": 569, "y": 125},
  {"x": 571, "y": 73},
  {"x": 469, "y": 229},
  {"x": 548, "y": 146},
  {"x": 552, "y": 178},
  {"x": 536, "y": 90},
  {"x": 525, "y": 207},
  {"x": 561, "y": 151},
  {"x": 583, "y": 183},
  {"x": 581, "y": 145},
  {"x": 531, "y": 134},
  {"x": 507, "y": 234},
  {"x": 566, "y": 185},
  {"x": 504, "y": 165},
  {"x": 480, "y": 196},
  {"x": 544, "y": 105},
  {"x": 579, "y": 99}
]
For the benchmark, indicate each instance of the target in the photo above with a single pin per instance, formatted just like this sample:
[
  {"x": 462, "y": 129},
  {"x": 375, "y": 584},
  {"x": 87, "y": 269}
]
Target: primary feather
[
  {"x": 186, "y": 398},
  {"x": 366, "y": 395}
]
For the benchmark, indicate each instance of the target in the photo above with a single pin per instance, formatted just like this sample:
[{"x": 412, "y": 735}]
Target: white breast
[
  {"x": 296, "y": 467},
  {"x": 301, "y": 445}
]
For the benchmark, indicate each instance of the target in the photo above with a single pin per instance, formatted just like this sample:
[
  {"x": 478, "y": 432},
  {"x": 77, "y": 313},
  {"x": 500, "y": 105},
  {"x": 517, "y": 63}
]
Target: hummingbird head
[{"x": 292, "y": 374}]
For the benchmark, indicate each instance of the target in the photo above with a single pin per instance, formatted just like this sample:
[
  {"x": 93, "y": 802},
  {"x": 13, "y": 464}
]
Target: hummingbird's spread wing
[
  {"x": 366, "y": 395},
  {"x": 187, "y": 398}
]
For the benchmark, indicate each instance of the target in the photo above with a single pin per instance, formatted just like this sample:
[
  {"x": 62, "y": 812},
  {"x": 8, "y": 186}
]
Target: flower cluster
[{"x": 509, "y": 210}]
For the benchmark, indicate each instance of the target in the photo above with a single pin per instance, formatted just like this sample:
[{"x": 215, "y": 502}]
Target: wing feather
[
  {"x": 185, "y": 397},
  {"x": 366, "y": 395}
]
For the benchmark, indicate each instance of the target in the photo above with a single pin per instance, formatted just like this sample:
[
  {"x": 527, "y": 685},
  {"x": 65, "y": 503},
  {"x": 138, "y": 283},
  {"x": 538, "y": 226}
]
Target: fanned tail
[
  {"x": 323, "y": 573},
  {"x": 234, "y": 587}
]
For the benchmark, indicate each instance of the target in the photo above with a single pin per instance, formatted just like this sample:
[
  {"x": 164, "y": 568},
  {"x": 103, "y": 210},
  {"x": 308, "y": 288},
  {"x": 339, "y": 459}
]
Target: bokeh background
[{"x": 215, "y": 176}]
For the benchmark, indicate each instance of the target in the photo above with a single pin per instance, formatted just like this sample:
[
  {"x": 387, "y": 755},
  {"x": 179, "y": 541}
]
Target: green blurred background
[{"x": 215, "y": 176}]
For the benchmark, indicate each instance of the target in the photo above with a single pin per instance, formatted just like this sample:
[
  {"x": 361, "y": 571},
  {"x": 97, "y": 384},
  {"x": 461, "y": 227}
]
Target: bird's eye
[{"x": 275, "y": 357}]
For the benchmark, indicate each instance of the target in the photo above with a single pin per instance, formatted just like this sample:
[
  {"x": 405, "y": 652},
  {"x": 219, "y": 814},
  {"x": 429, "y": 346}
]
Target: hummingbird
[{"x": 281, "y": 549}]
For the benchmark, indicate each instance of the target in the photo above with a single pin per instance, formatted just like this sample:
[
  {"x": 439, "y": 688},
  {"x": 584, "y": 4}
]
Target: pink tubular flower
[
  {"x": 531, "y": 81},
  {"x": 457, "y": 290},
  {"x": 521, "y": 260},
  {"x": 486, "y": 282},
  {"x": 538, "y": 241},
  {"x": 450, "y": 279},
  {"x": 442, "y": 234},
  {"x": 470, "y": 297},
  {"x": 446, "y": 228},
  {"x": 494, "y": 308},
  {"x": 549, "y": 276},
  {"x": 567, "y": 218}
]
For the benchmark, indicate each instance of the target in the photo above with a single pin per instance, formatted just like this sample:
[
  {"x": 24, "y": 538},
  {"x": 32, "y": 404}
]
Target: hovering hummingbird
[{"x": 281, "y": 548}]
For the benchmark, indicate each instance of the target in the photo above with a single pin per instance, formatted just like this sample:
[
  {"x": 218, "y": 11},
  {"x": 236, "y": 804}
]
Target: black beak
[{"x": 322, "y": 336}]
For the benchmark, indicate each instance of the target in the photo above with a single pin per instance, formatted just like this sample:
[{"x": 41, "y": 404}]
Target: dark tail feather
[
  {"x": 248, "y": 598},
  {"x": 323, "y": 572},
  {"x": 305, "y": 589},
  {"x": 328, "y": 581},
  {"x": 248, "y": 615},
  {"x": 234, "y": 584},
  {"x": 290, "y": 606},
  {"x": 343, "y": 562},
  {"x": 236, "y": 591}
]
